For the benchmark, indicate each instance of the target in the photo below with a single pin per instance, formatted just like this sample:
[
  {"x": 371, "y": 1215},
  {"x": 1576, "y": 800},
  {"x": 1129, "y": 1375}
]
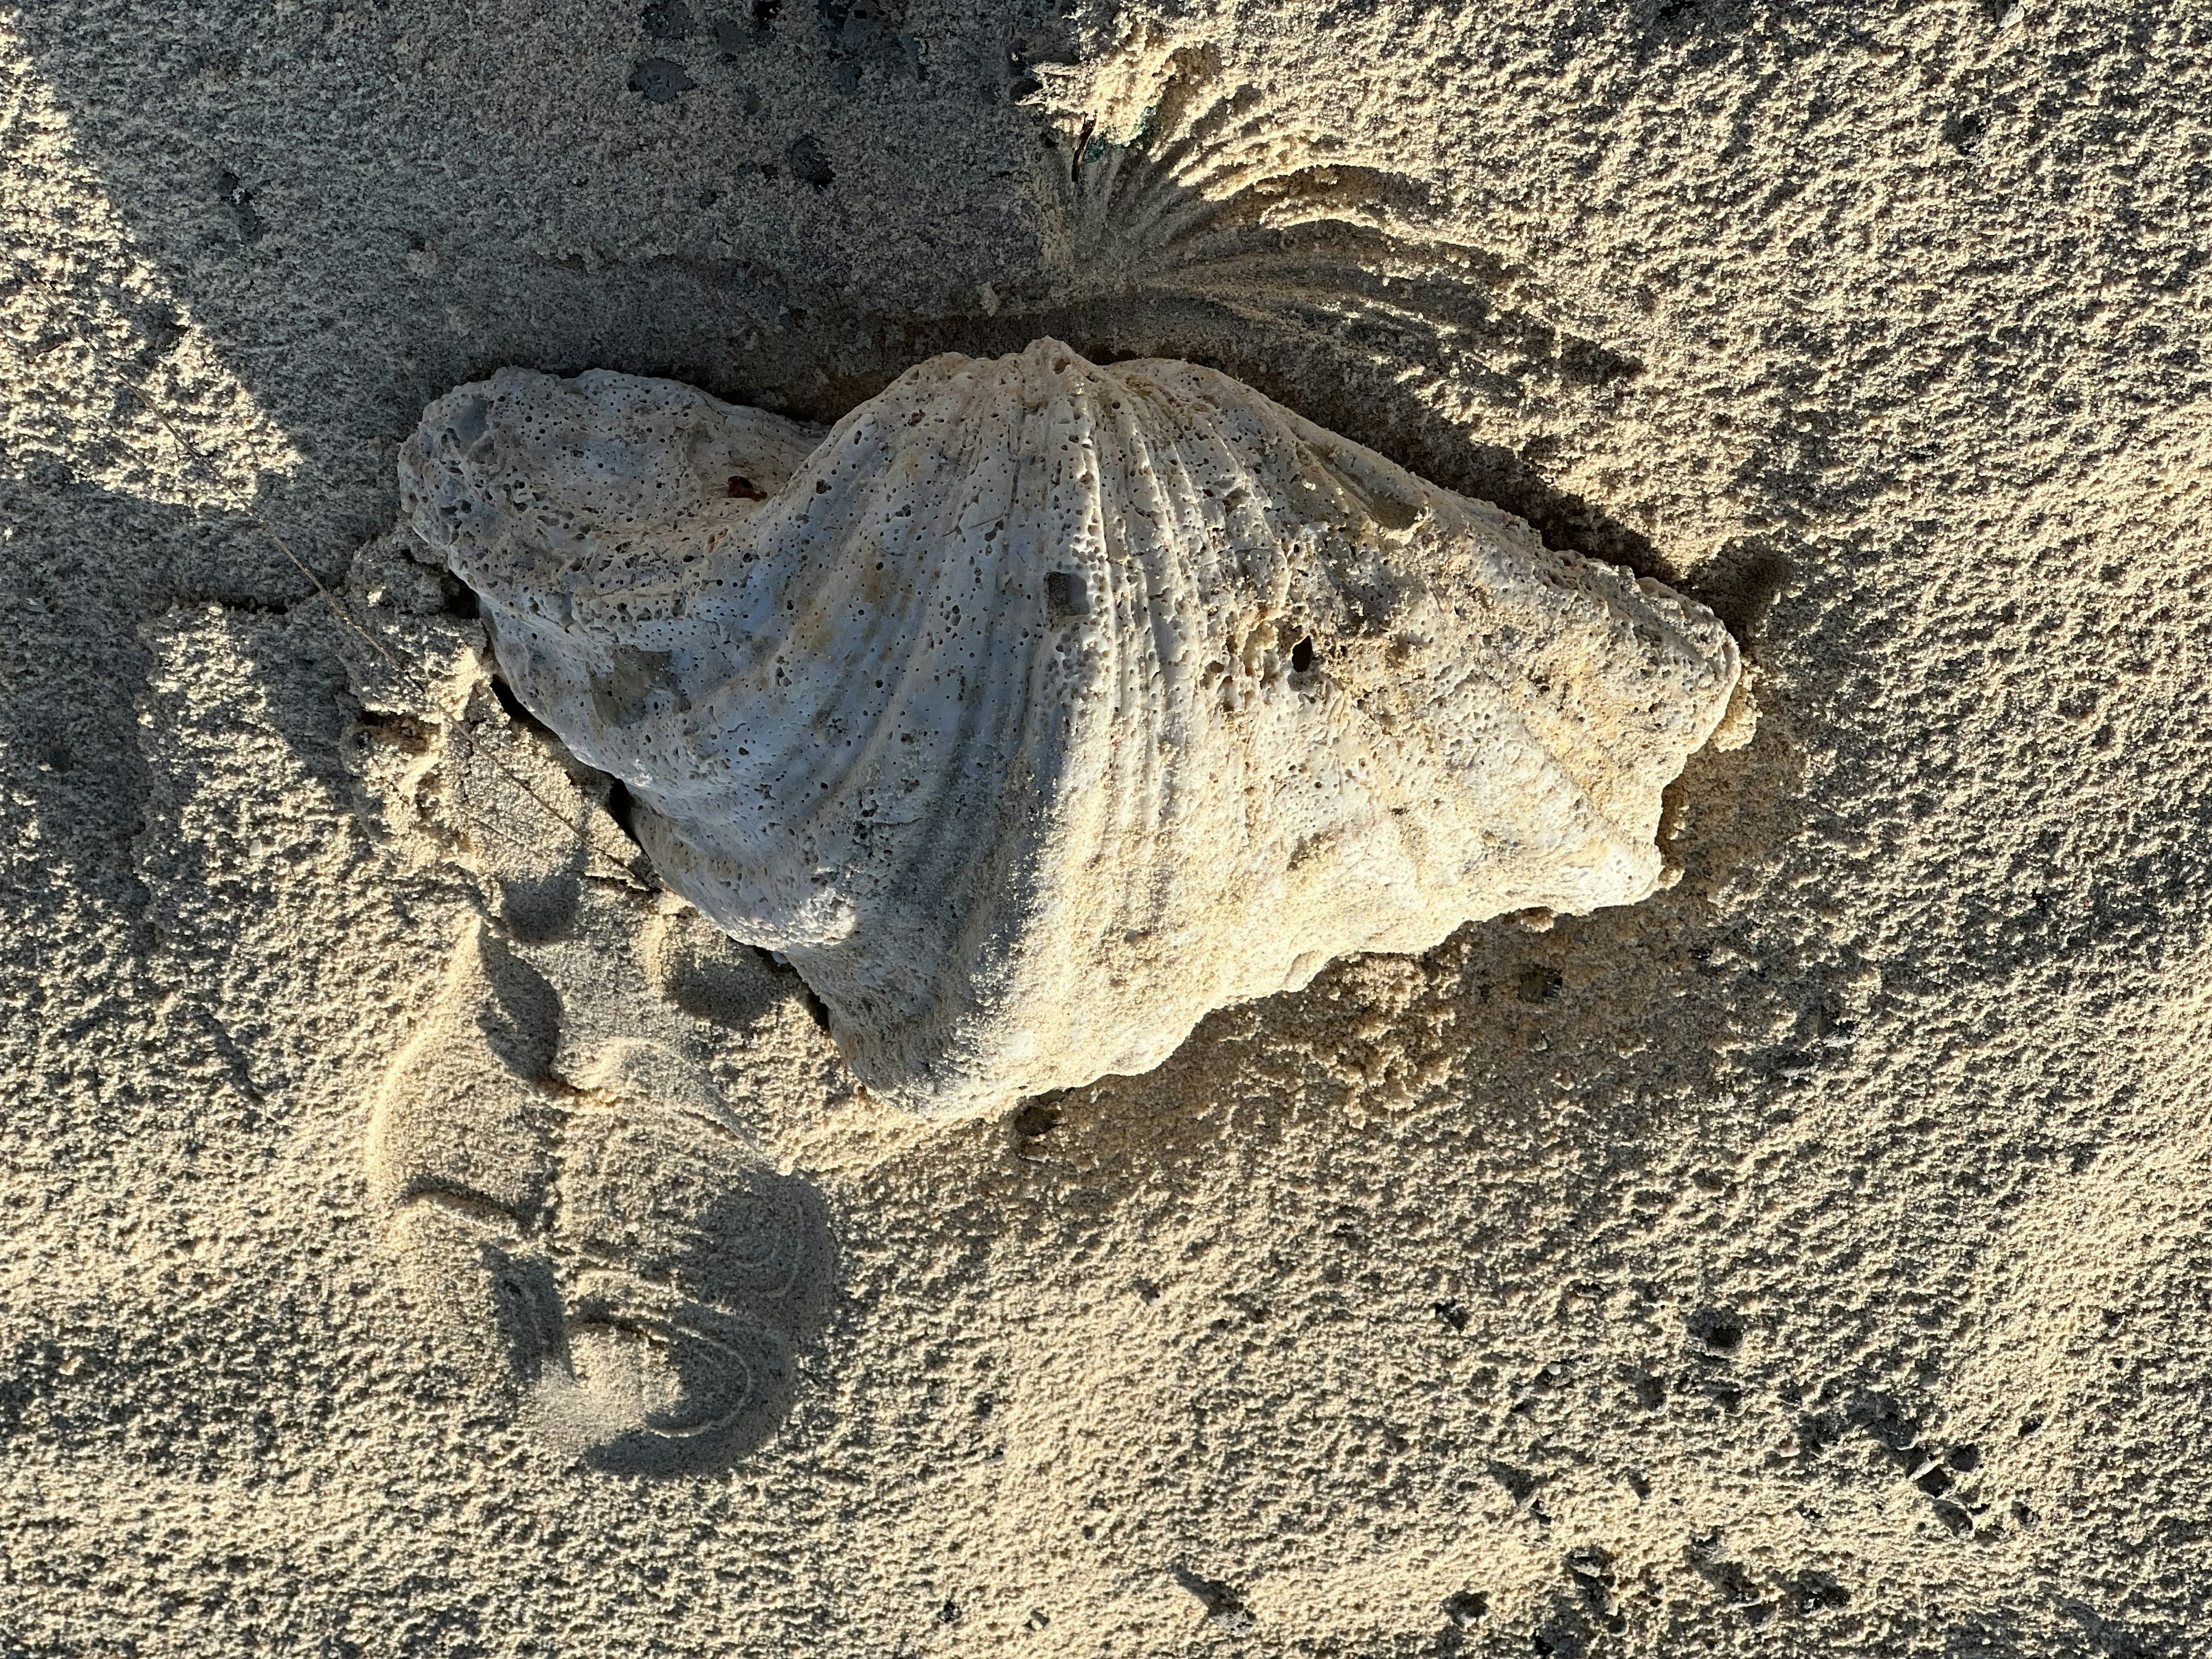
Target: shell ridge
[{"x": 944, "y": 863}]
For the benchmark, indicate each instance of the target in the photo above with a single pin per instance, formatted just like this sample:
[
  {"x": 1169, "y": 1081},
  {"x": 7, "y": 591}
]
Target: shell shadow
[{"x": 1323, "y": 284}]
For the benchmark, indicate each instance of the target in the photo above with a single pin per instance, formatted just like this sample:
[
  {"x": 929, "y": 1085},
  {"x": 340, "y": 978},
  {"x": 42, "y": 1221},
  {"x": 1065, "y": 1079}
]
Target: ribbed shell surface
[{"x": 1040, "y": 708}]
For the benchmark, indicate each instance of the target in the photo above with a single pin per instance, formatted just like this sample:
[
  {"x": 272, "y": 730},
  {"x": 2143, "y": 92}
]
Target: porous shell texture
[{"x": 1040, "y": 708}]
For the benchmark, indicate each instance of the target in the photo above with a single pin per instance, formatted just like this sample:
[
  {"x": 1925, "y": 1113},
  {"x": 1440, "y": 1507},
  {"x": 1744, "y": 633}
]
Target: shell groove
[{"x": 1038, "y": 708}]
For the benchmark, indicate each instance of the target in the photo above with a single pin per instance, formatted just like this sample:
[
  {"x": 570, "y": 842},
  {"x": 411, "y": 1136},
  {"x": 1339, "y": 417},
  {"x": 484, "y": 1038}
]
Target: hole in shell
[
  {"x": 1302, "y": 656},
  {"x": 1065, "y": 595},
  {"x": 744, "y": 489}
]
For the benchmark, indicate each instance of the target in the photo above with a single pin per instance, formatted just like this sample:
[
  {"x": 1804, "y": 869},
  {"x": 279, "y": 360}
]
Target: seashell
[{"x": 1039, "y": 707}]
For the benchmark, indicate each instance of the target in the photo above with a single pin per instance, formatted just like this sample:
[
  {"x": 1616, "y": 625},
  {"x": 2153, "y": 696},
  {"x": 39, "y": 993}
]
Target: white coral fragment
[{"x": 1040, "y": 708}]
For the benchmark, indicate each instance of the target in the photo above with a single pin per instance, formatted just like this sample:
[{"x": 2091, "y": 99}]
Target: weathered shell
[{"x": 1040, "y": 707}]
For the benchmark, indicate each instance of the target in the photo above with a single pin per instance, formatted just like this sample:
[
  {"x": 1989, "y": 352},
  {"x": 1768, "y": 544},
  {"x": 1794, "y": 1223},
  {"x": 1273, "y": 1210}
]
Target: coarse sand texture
[{"x": 428, "y": 1234}]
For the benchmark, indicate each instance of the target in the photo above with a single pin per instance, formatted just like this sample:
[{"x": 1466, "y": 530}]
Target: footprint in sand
[
  {"x": 573, "y": 1200},
  {"x": 573, "y": 1204}
]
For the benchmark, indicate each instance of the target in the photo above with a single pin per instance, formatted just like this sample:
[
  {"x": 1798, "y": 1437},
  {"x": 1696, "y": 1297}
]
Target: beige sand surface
[{"x": 1812, "y": 1259}]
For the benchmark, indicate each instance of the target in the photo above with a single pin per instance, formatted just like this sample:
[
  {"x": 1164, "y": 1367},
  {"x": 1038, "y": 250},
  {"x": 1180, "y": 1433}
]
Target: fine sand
[{"x": 1811, "y": 1259}]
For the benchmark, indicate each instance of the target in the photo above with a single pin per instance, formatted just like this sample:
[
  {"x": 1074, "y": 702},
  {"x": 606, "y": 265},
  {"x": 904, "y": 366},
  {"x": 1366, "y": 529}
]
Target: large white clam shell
[{"x": 1040, "y": 708}]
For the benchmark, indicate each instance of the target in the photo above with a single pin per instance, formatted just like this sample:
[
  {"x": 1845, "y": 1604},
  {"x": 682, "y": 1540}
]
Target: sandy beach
[{"x": 1811, "y": 1258}]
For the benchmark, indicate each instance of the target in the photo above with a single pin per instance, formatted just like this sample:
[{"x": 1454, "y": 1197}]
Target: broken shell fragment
[{"x": 1038, "y": 708}]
